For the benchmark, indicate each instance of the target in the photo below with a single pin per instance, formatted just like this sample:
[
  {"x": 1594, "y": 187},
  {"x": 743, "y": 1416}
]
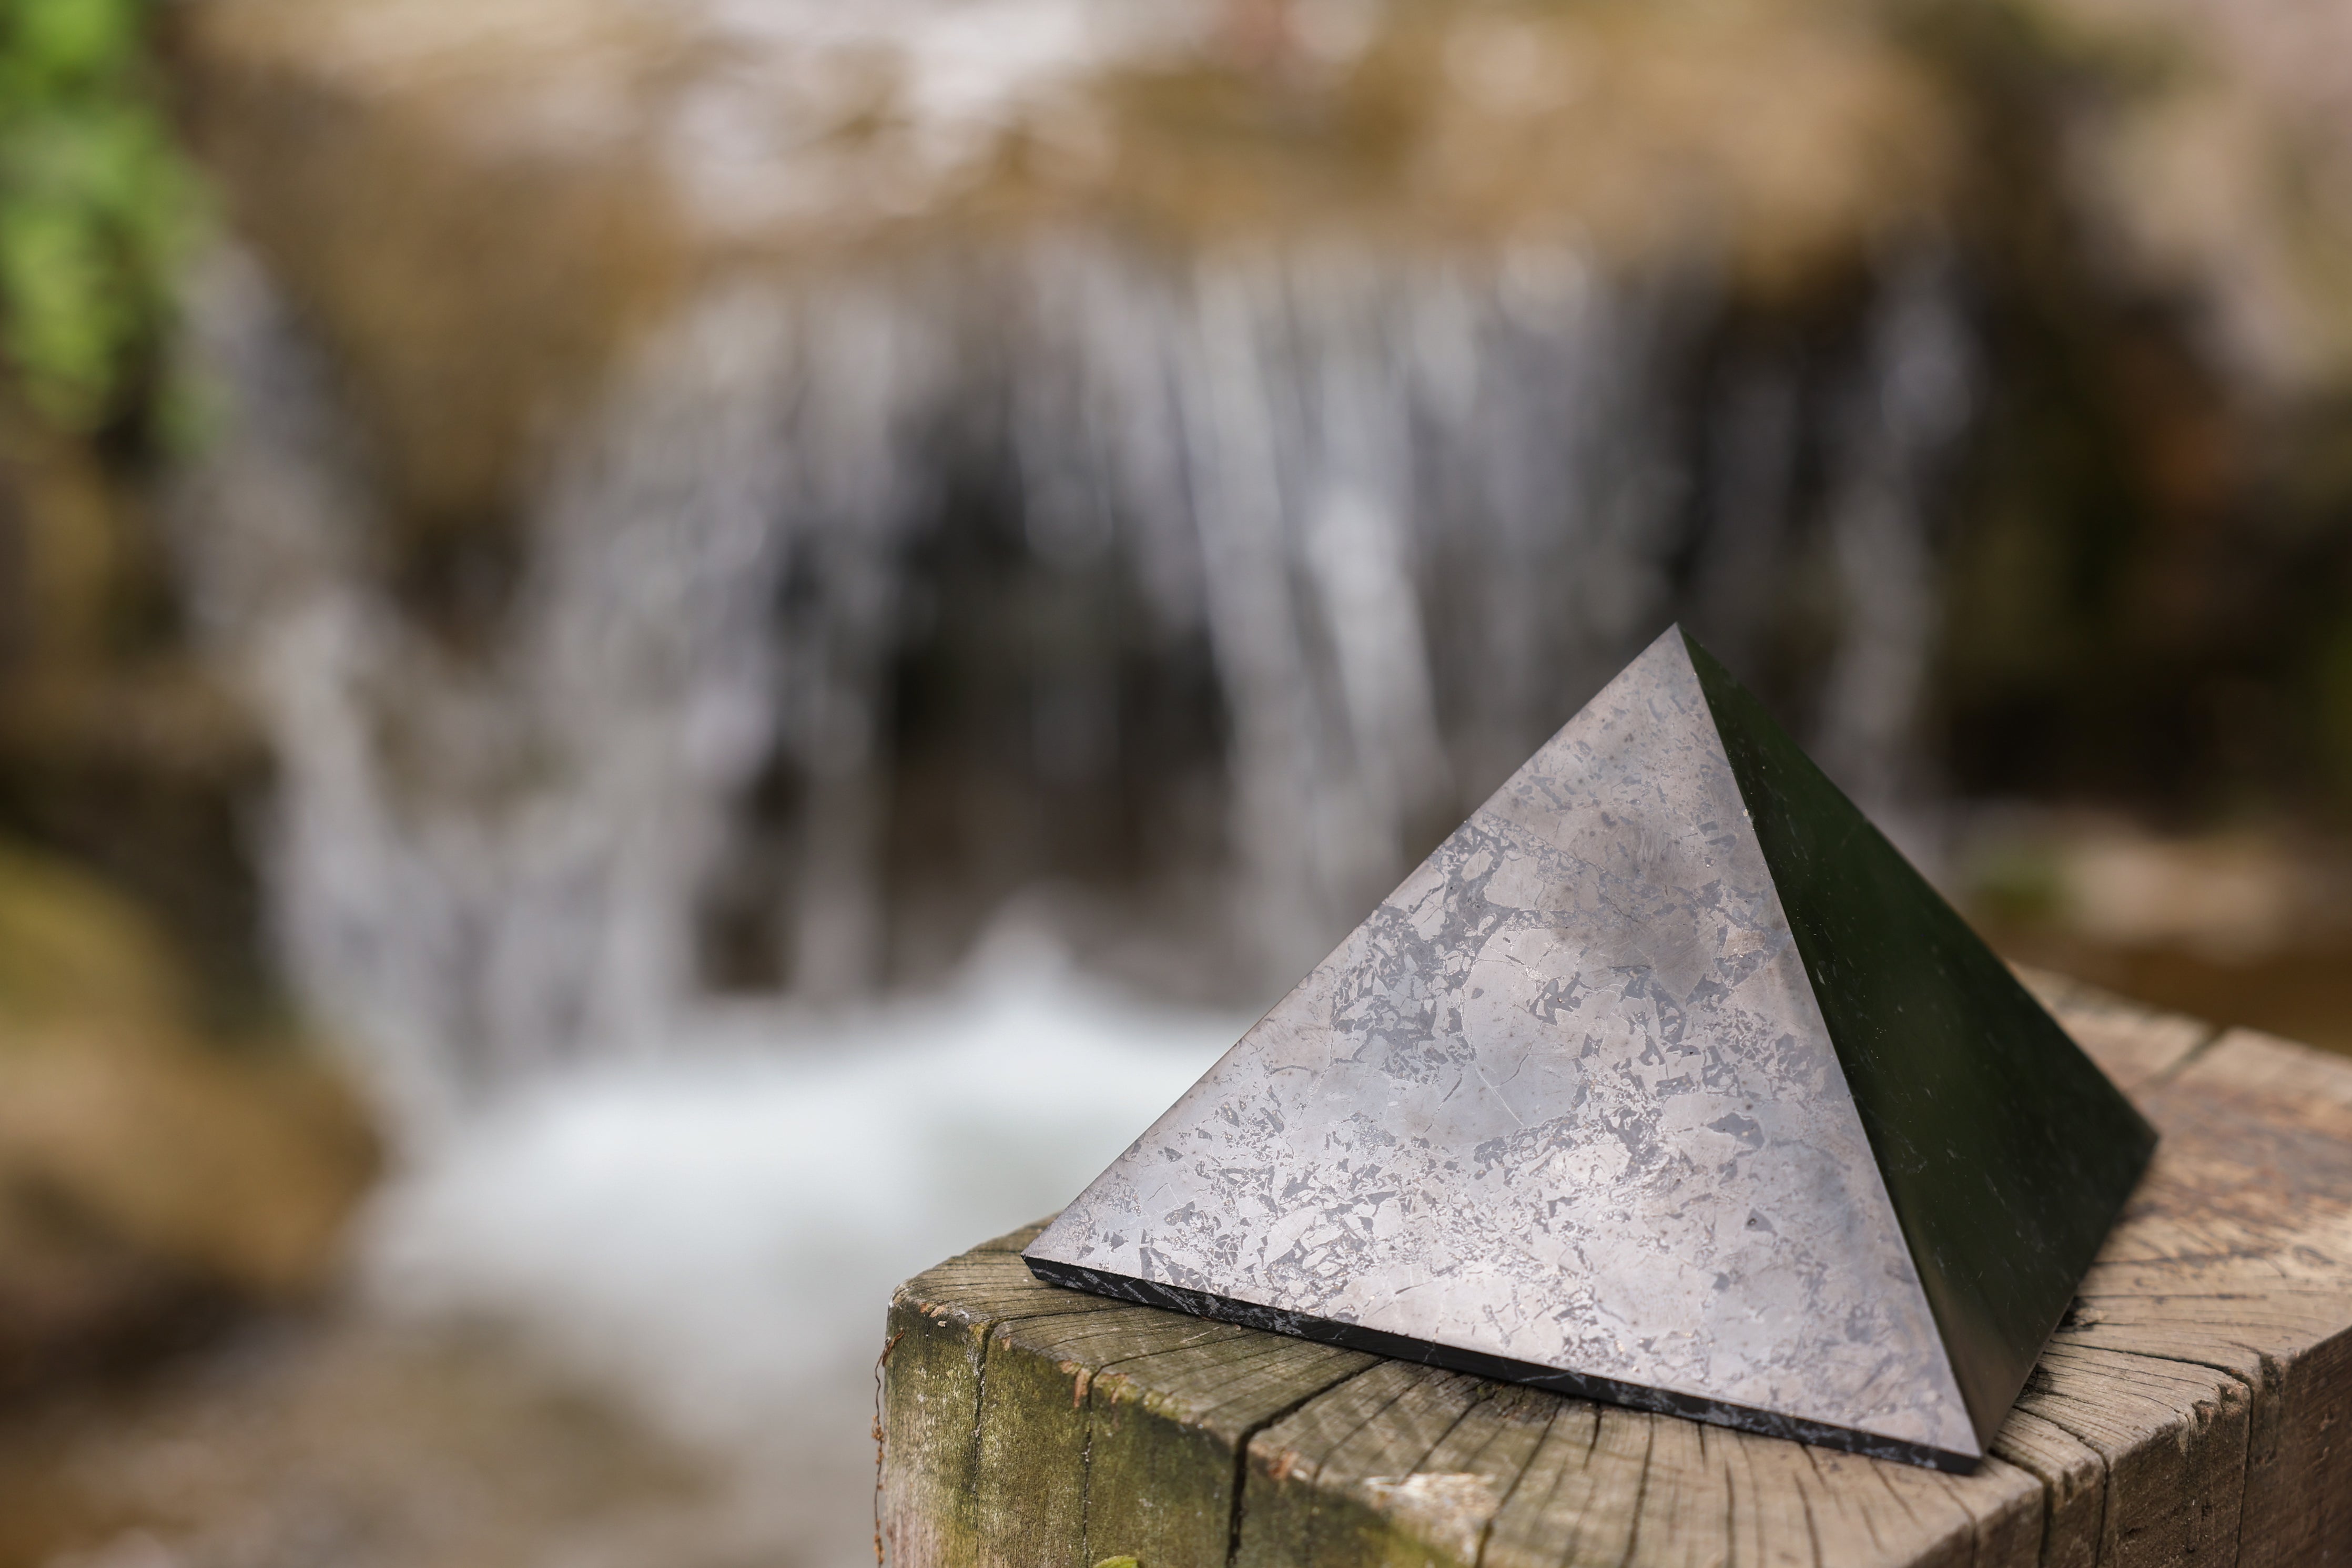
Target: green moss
[
  {"x": 71, "y": 947},
  {"x": 2018, "y": 882},
  {"x": 96, "y": 205},
  {"x": 2331, "y": 671}
]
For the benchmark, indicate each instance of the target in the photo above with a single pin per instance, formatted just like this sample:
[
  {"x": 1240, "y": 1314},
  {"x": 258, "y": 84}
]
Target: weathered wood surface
[{"x": 2194, "y": 1410}]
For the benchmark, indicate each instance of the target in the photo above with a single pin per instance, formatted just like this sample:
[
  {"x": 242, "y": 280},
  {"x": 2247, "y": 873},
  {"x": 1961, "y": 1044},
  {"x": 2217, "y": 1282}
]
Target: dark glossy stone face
[
  {"x": 1582, "y": 1103},
  {"x": 2006, "y": 1153}
]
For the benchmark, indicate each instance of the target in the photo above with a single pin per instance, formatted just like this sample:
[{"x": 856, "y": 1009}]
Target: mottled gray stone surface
[{"x": 1565, "y": 1099}]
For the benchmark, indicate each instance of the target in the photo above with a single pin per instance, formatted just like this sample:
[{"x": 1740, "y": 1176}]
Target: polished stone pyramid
[{"x": 1664, "y": 1081}]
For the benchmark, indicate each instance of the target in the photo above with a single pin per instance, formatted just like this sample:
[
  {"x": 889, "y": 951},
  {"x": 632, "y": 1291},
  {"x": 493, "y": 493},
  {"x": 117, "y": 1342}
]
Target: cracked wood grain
[
  {"x": 1021, "y": 1433},
  {"x": 933, "y": 1381},
  {"x": 2248, "y": 1265},
  {"x": 1407, "y": 1465},
  {"x": 2073, "y": 1479},
  {"x": 2173, "y": 1441},
  {"x": 1166, "y": 1432},
  {"x": 1342, "y": 1480},
  {"x": 2190, "y": 1411}
]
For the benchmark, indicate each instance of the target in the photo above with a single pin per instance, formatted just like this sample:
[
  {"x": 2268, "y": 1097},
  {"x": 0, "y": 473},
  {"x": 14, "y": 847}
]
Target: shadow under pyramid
[{"x": 1664, "y": 1081}]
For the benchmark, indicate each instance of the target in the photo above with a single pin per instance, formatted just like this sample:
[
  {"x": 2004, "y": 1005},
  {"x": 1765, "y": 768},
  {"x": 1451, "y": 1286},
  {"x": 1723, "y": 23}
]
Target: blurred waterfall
[
  {"x": 1416, "y": 507},
  {"x": 1898, "y": 435},
  {"x": 1305, "y": 450}
]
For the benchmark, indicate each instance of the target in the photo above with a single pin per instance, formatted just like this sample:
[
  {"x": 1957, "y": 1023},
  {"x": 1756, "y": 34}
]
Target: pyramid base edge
[{"x": 1580, "y": 1386}]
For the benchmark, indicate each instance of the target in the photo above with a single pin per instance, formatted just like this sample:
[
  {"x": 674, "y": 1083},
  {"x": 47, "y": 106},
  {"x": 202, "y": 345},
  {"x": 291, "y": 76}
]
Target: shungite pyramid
[{"x": 1665, "y": 1081}]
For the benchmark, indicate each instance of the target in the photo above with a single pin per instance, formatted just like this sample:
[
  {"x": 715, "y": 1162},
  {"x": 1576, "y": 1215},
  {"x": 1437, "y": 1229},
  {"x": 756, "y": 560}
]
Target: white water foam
[
  {"x": 714, "y": 1238},
  {"x": 720, "y": 1231}
]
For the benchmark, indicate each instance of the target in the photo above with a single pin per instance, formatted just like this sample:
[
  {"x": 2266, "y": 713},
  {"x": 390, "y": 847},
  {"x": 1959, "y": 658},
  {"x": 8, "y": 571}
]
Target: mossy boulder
[{"x": 145, "y": 1168}]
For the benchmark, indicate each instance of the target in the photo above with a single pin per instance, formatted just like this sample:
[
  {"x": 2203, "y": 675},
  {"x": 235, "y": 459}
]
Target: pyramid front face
[{"x": 1564, "y": 1109}]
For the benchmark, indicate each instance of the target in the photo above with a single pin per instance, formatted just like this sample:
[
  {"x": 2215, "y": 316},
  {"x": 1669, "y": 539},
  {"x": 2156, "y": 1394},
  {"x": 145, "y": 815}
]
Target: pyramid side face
[
  {"x": 1564, "y": 1099},
  {"x": 2006, "y": 1152}
]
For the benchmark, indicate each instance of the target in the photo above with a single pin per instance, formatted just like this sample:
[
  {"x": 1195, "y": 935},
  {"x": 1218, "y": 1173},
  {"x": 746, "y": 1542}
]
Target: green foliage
[{"x": 95, "y": 205}]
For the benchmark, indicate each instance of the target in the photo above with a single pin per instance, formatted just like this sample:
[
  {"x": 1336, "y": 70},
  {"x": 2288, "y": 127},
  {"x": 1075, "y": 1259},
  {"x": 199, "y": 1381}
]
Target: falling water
[{"x": 1415, "y": 507}]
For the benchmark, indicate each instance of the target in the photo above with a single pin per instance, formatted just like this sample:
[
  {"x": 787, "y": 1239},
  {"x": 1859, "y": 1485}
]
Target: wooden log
[{"x": 2192, "y": 1410}]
